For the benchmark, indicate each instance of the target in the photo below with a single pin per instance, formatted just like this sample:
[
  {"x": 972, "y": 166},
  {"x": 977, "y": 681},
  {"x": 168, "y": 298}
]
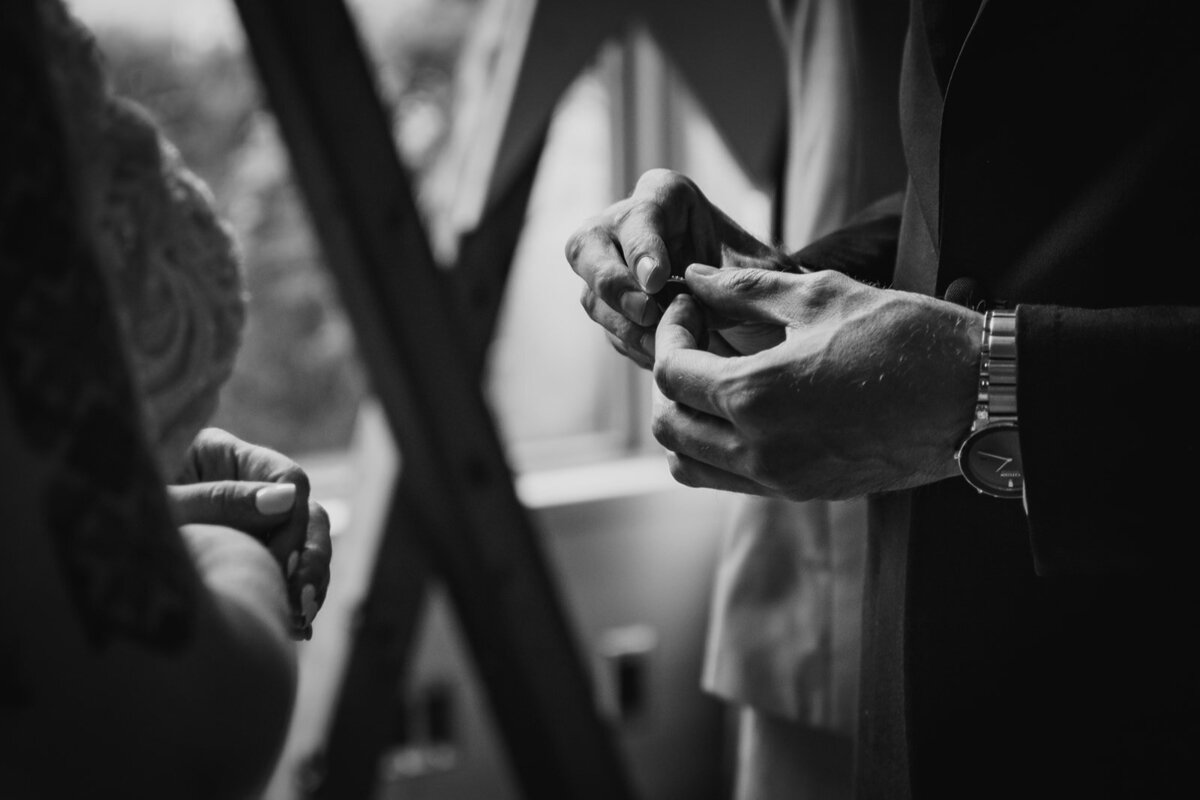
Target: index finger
[
  {"x": 596, "y": 257},
  {"x": 641, "y": 229},
  {"x": 218, "y": 455},
  {"x": 685, "y": 373},
  {"x": 258, "y": 463},
  {"x": 252, "y": 507}
]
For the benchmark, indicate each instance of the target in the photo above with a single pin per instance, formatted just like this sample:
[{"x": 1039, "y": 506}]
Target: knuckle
[
  {"x": 824, "y": 284},
  {"x": 745, "y": 398},
  {"x": 663, "y": 366},
  {"x": 759, "y": 465},
  {"x": 645, "y": 208},
  {"x": 615, "y": 324},
  {"x": 630, "y": 334},
  {"x": 638, "y": 221},
  {"x": 746, "y": 281},
  {"x": 572, "y": 246},
  {"x": 588, "y": 233},
  {"x": 609, "y": 285},
  {"x": 743, "y": 408},
  {"x": 651, "y": 179},
  {"x": 830, "y": 277},
  {"x": 681, "y": 471},
  {"x": 661, "y": 429},
  {"x": 821, "y": 280},
  {"x": 214, "y": 434},
  {"x": 677, "y": 181},
  {"x": 295, "y": 475},
  {"x": 735, "y": 397},
  {"x": 771, "y": 466},
  {"x": 216, "y": 493},
  {"x": 738, "y": 409},
  {"x": 661, "y": 180}
]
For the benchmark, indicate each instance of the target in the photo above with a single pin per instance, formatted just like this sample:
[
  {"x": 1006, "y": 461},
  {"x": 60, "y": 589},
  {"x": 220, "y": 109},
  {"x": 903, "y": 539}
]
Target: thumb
[
  {"x": 742, "y": 294},
  {"x": 249, "y": 506}
]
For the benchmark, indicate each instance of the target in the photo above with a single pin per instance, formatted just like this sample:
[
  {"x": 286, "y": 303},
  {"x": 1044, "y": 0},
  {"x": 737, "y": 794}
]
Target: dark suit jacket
[{"x": 1053, "y": 160}]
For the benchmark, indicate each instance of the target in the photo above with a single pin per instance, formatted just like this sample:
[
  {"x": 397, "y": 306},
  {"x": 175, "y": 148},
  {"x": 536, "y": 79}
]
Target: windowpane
[
  {"x": 558, "y": 393},
  {"x": 297, "y": 383},
  {"x": 559, "y": 390}
]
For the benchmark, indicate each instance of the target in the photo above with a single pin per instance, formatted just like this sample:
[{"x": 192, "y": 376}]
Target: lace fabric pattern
[{"x": 120, "y": 319}]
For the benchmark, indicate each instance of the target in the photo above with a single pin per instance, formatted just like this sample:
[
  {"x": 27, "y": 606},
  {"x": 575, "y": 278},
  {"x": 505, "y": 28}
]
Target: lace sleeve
[{"x": 63, "y": 365}]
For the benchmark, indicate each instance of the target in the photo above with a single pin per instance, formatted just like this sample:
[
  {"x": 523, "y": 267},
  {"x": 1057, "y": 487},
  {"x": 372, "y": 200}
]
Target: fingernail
[
  {"x": 637, "y": 307},
  {"x": 308, "y": 603},
  {"x": 292, "y": 561},
  {"x": 703, "y": 270},
  {"x": 308, "y": 633},
  {"x": 275, "y": 499},
  {"x": 647, "y": 343},
  {"x": 644, "y": 268},
  {"x": 634, "y": 305}
]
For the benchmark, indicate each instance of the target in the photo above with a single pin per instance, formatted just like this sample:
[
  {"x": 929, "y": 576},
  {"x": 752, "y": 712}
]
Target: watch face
[{"x": 990, "y": 460}]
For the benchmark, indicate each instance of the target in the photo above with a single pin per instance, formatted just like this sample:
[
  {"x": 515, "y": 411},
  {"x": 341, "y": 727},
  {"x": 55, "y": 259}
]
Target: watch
[{"x": 990, "y": 457}]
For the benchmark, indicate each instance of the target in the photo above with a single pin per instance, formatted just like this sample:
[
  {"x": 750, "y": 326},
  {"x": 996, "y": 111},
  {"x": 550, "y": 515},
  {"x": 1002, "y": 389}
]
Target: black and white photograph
[{"x": 599, "y": 399}]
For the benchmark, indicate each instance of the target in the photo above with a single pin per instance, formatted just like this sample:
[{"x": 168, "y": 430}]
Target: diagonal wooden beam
[
  {"x": 322, "y": 91},
  {"x": 485, "y": 255},
  {"x": 385, "y": 626},
  {"x": 380, "y": 648}
]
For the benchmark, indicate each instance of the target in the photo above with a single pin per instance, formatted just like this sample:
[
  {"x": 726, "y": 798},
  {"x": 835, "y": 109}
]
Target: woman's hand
[{"x": 260, "y": 492}]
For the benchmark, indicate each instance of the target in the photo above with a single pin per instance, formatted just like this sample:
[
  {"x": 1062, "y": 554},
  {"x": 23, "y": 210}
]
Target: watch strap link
[{"x": 997, "y": 394}]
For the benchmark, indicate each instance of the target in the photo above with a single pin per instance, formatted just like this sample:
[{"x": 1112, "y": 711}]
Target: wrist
[
  {"x": 235, "y": 566},
  {"x": 990, "y": 455},
  {"x": 967, "y": 389},
  {"x": 958, "y": 391}
]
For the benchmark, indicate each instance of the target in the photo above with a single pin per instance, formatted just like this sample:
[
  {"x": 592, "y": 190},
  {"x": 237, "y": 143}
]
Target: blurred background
[{"x": 632, "y": 552}]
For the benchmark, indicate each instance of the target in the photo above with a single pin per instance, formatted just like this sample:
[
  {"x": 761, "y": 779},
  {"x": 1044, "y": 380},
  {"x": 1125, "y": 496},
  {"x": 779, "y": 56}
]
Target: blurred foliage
[{"x": 298, "y": 381}]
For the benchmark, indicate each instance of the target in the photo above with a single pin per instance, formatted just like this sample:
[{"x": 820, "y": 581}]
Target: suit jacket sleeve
[
  {"x": 1112, "y": 463},
  {"x": 1066, "y": 172}
]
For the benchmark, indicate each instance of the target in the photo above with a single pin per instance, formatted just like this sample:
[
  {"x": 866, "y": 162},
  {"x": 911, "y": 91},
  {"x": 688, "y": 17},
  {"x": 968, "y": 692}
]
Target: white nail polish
[{"x": 275, "y": 499}]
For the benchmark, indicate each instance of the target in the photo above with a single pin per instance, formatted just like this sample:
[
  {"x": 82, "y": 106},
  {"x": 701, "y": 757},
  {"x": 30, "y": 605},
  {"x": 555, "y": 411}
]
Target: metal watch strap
[
  {"x": 990, "y": 457},
  {"x": 997, "y": 395}
]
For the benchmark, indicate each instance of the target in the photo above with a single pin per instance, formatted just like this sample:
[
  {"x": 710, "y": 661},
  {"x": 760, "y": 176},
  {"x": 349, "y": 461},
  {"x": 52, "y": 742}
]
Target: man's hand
[
  {"x": 626, "y": 254},
  {"x": 260, "y": 492},
  {"x": 870, "y": 389}
]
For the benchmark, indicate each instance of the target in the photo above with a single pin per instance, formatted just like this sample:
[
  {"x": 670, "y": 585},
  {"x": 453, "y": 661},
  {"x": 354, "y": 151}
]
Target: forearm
[
  {"x": 208, "y": 721},
  {"x": 202, "y": 710},
  {"x": 252, "y": 681}
]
